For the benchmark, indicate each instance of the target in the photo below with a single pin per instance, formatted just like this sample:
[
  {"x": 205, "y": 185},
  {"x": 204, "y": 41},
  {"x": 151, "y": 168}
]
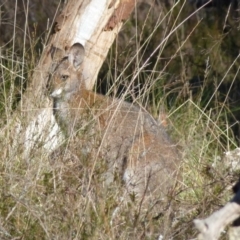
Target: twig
[{"x": 211, "y": 227}]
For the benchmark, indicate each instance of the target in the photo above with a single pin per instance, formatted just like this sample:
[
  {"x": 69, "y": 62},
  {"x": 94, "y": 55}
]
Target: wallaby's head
[{"x": 66, "y": 76}]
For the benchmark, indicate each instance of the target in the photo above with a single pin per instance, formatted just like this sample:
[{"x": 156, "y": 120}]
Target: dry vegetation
[{"x": 183, "y": 67}]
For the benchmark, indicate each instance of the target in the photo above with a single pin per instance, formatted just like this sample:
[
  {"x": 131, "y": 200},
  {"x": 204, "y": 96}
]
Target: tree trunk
[{"x": 94, "y": 24}]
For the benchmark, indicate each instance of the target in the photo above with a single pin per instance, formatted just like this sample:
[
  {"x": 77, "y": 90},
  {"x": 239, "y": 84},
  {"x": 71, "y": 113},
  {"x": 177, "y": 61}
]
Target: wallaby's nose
[{"x": 56, "y": 93}]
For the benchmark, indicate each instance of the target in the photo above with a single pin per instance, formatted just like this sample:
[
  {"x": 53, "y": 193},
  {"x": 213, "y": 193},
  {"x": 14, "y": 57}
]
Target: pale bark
[
  {"x": 211, "y": 227},
  {"x": 94, "y": 24}
]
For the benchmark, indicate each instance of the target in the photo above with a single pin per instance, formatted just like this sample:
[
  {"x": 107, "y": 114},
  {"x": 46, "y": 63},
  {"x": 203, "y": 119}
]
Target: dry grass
[{"x": 42, "y": 199}]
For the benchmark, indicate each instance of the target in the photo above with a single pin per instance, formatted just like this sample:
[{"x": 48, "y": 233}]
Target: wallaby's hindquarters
[
  {"x": 125, "y": 136},
  {"x": 142, "y": 151}
]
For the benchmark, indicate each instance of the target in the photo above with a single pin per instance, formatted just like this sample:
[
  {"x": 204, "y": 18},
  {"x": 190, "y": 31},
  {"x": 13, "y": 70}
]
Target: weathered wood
[{"x": 211, "y": 227}]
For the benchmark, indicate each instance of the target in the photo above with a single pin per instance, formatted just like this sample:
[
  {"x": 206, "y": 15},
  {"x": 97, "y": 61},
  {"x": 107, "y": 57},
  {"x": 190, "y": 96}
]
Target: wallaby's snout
[{"x": 66, "y": 73}]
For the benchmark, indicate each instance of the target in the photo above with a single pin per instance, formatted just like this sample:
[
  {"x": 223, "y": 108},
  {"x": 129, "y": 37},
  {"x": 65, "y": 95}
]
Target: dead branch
[{"x": 211, "y": 227}]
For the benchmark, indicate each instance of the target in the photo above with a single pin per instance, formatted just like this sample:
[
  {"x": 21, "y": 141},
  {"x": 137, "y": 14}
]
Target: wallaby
[{"x": 129, "y": 139}]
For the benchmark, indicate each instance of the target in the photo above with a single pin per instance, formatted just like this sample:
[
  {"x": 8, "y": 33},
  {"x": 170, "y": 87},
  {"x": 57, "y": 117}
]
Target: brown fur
[{"x": 131, "y": 142}]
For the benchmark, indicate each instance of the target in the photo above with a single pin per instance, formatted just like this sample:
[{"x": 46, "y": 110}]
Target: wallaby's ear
[
  {"x": 56, "y": 53},
  {"x": 76, "y": 54}
]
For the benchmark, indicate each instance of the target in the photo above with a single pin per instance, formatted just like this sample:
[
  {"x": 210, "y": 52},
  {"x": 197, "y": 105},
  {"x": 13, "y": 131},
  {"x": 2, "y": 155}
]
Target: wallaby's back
[{"x": 127, "y": 137}]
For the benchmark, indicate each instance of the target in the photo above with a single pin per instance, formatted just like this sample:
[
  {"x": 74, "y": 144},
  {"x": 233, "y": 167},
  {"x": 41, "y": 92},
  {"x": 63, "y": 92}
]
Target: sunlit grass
[{"x": 53, "y": 199}]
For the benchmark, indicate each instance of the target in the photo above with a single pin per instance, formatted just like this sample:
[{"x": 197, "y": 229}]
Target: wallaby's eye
[{"x": 64, "y": 77}]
